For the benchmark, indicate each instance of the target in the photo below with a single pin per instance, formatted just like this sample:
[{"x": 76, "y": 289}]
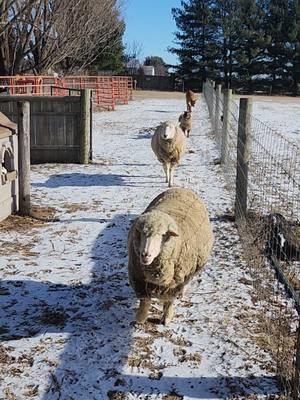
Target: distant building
[{"x": 149, "y": 70}]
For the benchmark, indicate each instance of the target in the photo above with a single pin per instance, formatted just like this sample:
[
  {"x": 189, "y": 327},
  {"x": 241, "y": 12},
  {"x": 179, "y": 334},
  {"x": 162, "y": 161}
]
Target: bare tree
[
  {"x": 36, "y": 35},
  {"x": 133, "y": 56}
]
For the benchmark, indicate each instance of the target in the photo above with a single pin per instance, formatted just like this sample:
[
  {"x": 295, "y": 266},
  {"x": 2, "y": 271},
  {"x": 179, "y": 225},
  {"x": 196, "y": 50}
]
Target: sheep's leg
[
  {"x": 184, "y": 291},
  {"x": 165, "y": 166},
  {"x": 168, "y": 312},
  {"x": 171, "y": 175},
  {"x": 188, "y": 133},
  {"x": 142, "y": 312}
]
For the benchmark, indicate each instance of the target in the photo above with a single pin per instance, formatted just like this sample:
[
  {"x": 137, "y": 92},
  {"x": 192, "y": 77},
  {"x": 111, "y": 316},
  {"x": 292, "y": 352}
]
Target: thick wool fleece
[
  {"x": 168, "y": 151},
  {"x": 185, "y": 122},
  {"x": 181, "y": 257}
]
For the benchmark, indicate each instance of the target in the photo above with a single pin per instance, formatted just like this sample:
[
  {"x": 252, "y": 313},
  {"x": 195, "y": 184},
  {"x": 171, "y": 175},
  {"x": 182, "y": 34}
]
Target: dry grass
[
  {"x": 53, "y": 317},
  {"x": 17, "y": 248},
  {"x": 39, "y": 215},
  {"x": 155, "y": 94},
  {"x": 172, "y": 396},
  {"x": 74, "y": 207},
  {"x": 116, "y": 395},
  {"x": 275, "y": 330}
]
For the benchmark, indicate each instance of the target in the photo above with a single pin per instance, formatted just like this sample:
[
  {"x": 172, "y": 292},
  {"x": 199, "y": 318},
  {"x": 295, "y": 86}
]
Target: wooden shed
[{"x": 8, "y": 167}]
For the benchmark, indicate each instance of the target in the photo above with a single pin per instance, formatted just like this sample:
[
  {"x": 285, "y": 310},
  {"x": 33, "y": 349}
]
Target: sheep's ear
[
  {"x": 139, "y": 223},
  {"x": 173, "y": 230}
]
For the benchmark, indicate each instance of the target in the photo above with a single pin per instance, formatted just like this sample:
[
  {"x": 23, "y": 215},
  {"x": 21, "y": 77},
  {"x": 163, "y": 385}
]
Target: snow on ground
[
  {"x": 67, "y": 315},
  {"x": 281, "y": 114}
]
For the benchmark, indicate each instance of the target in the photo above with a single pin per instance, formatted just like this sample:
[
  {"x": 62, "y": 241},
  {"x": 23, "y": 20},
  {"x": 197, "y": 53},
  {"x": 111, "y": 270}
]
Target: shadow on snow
[{"x": 97, "y": 317}]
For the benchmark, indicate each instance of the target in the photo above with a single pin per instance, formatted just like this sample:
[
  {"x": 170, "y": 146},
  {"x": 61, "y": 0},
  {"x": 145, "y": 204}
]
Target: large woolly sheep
[
  {"x": 185, "y": 122},
  {"x": 168, "y": 144},
  {"x": 167, "y": 245}
]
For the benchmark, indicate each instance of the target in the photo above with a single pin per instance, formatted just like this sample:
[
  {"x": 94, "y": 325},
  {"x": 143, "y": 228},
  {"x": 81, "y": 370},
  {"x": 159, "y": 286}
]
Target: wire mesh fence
[{"x": 262, "y": 173}]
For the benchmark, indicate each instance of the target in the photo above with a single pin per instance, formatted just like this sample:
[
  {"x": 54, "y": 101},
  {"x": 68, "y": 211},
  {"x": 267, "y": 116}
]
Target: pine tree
[
  {"x": 225, "y": 13},
  {"x": 195, "y": 44},
  {"x": 251, "y": 41},
  {"x": 294, "y": 41},
  {"x": 283, "y": 25},
  {"x": 110, "y": 56}
]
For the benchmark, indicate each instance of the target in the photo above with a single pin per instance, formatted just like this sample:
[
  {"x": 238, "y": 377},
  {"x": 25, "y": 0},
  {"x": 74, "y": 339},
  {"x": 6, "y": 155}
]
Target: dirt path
[{"x": 68, "y": 312}]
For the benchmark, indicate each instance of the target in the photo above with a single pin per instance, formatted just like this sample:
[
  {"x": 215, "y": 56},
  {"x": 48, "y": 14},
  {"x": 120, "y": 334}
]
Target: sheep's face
[
  {"x": 168, "y": 133},
  {"x": 149, "y": 248},
  {"x": 152, "y": 235},
  {"x": 187, "y": 115}
]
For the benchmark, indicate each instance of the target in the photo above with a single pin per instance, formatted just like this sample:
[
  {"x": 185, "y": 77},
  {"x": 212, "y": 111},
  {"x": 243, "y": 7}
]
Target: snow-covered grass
[
  {"x": 67, "y": 315},
  {"x": 282, "y": 114}
]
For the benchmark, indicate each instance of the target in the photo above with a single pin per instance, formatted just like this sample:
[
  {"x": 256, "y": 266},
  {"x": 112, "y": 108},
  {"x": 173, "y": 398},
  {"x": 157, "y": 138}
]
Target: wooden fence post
[
  {"x": 217, "y": 112},
  {"x": 243, "y": 155},
  {"x": 296, "y": 380},
  {"x": 85, "y": 116},
  {"x": 24, "y": 156},
  {"x": 226, "y": 124}
]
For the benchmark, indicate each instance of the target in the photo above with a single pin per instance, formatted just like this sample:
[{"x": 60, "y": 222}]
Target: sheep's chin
[{"x": 146, "y": 261}]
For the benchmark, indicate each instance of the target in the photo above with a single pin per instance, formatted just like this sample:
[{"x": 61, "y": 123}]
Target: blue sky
[{"x": 151, "y": 25}]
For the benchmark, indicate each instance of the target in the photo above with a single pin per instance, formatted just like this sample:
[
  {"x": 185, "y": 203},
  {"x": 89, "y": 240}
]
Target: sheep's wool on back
[{"x": 194, "y": 243}]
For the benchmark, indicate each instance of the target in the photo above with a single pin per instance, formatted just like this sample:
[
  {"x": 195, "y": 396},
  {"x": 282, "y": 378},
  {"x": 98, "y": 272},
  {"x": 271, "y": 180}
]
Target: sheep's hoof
[
  {"x": 140, "y": 320},
  {"x": 142, "y": 312},
  {"x": 167, "y": 316}
]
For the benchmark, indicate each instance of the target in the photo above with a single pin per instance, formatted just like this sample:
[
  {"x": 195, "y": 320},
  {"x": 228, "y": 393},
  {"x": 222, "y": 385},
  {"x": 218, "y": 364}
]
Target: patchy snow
[
  {"x": 284, "y": 117},
  {"x": 280, "y": 114},
  {"x": 67, "y": 315}
]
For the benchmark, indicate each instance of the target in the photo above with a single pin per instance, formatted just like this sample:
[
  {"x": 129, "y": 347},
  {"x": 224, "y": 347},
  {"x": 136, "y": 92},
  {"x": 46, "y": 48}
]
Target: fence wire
[{"x": 266, "y": 170}]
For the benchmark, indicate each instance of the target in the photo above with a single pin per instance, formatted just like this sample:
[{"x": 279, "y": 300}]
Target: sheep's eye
[{"x": 165, "y": 237}]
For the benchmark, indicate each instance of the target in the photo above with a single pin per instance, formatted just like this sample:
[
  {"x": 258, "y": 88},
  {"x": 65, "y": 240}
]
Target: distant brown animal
[
  {"x": 185, "y": 122},
  {"x": 191, "y": 99}
]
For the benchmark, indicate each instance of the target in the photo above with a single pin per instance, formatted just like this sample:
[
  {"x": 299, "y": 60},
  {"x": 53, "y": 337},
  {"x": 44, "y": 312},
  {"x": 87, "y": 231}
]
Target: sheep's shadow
[
  {"x": 96, "y": 316},
  {"x": 147, "y": 136},
  {"x": 85, "y": 180}
]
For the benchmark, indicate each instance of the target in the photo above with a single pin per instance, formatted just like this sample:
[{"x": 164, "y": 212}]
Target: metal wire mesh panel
[{"x": 262, "y": 171}]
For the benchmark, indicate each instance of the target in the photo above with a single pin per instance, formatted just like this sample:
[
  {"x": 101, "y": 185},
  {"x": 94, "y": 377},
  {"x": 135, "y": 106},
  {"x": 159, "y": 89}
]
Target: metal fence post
[
  {"x": 24, "y": 156},
  {"x": 85, "y": 115},
  {"x": 226, "y": 124},
  {"x": 243, "y": 155},
  {"x": 217, "y": 112}
]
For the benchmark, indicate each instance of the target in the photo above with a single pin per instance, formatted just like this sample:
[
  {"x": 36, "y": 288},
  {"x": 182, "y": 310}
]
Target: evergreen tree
[
  {"x": 294, "y": 45},
  {"x": 195, "y": 39},
  {"x": 241, "y": 40},
  {"x": 283, "y": 26},
  {"x": 226, "y": 16},
  {"x": 110, "y": 56},
  {"x": 251, "y": 40}
]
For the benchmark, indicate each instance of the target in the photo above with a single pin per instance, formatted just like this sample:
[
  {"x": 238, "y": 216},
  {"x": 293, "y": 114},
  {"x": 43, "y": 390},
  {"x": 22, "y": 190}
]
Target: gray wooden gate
[{"x": 60, "y": 127}]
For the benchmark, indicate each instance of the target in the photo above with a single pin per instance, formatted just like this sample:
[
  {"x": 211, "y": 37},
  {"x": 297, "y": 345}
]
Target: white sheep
[
  {"x": 167, "y": 245},
  {"x": 168, "y": 144},
  {"x": 185, "y": 122}
]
